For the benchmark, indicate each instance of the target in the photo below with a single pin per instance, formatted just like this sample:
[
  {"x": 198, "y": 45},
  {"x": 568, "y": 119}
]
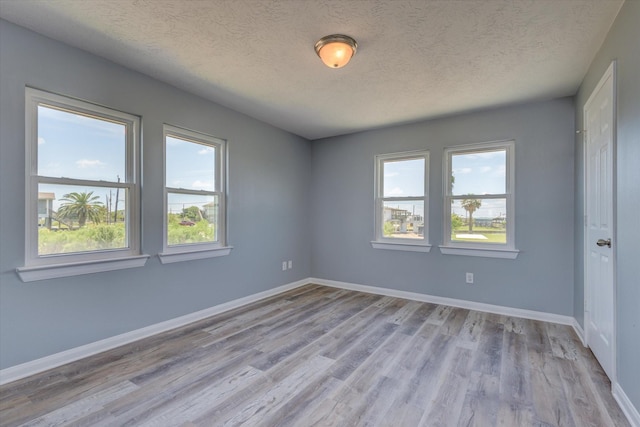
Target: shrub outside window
[
  {"x": 479, "y": 204},
  {"x": 82, "y": 186},
  {"x": 194, "y": 220},
  {"x": 402, "y": 201}
]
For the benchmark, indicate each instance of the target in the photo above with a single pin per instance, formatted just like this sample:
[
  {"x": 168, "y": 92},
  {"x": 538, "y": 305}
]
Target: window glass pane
[
  {"x": 479, "y": 173},
  {"x": 78, "y": 219},
  {"x": 404, "y": 220},
  {"x": 404, "y": 178},
  {"x": 192, "y": 219},
  {"x": 479, "y": 220},
  {"x": 78, "y": 146},
  {"x": 190, "y": 165}
]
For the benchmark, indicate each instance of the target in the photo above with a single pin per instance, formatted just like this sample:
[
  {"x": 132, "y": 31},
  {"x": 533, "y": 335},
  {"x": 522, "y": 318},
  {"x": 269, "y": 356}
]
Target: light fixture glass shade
[{"x": 336, "y": 50}]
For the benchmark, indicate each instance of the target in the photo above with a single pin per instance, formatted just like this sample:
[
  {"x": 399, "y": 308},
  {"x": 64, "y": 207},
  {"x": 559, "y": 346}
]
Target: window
[
  {"x": 402, "y": 183},
  {"x": 194, "y": 219},
  {"x": 82, "y": 210},
  {"x": 478, "y": 206}
]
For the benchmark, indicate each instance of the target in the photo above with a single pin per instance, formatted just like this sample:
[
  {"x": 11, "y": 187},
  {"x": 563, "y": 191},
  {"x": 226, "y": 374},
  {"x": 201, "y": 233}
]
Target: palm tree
[
  {"x": 471, "y": 205},
  {"x": 83, "y": 206}
]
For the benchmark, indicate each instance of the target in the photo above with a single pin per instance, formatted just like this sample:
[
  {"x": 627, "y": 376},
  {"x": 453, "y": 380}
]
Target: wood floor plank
[
  {"x": 469, "y": 334},
  {"x": 582, "y": 401},
  {"x": 489, "y": 355},
  {"x": 81, "y": 407},
  {"x": 601, "y": 385},
  {"x": 454, "y": 322},
  {"x": 321, "y": 356},
  {"x": 482, "y": 401},
  {"x": 352, "y": 359},
  {"x": 515, "y": 376},
  {"x": 368, "y": 372},
  {"x": 439, "y": 315},
  {"x": 548, "y": 396},
  {"x": 300, "y": 408},
  {"x": 280, "y": 393},
  {"x": 451, "y": 391},
  {"x": 417, "y": 318},
  {"x": 185, "y": 410}
]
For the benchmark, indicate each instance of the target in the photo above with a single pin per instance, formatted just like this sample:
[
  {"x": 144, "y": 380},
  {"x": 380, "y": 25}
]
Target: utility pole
[{"x": 117, "y": 196}]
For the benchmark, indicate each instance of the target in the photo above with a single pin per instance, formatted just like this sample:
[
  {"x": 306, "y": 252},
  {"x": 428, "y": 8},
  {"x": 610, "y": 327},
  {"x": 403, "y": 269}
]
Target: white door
[{"x": 599, "y": 262}]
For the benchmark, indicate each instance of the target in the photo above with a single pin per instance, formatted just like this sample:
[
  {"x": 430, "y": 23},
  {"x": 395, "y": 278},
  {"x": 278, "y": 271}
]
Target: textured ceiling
[{"x": 416, "y": 59}]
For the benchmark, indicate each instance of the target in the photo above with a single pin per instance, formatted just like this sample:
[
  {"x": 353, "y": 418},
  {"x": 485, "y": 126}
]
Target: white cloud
[
  {"x": 500, "y": 171},
  {"x": 41, "y": 140},
  {"x": 485, "y": 169},
  {"x": 396, "y": 191},
  {"x": 206, "y": 150},
  {"x": 202, "y": 184},
  {"x": 86, "y": 163},
  {"x": 463, "y": 171}
]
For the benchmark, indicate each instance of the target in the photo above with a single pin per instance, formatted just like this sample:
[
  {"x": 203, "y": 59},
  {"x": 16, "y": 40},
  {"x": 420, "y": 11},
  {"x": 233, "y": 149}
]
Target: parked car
[{"x": 187, "y": 223}]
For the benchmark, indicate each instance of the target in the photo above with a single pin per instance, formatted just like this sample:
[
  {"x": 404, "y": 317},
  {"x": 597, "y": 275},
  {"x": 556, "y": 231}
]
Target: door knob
[{"x": 602, "y": 242}]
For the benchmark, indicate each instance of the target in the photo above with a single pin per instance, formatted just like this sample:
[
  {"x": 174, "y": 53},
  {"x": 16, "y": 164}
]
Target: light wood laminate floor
[{"x": 319, "y": 356}]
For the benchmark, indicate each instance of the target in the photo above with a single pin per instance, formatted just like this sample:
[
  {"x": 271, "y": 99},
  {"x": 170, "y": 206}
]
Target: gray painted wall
[
  {"x": 622, "y": 44},
  {"x": 541, "y": 278},
  {"x": 268, "y": 207}
]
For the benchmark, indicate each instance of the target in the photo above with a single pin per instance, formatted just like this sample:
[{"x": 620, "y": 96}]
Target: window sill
[
  {"x": 480, "y": 252},
  {"x": 168, "y": 258},
  {"x": 401, "y": 246},
  {"x": 43, "y": 272}
]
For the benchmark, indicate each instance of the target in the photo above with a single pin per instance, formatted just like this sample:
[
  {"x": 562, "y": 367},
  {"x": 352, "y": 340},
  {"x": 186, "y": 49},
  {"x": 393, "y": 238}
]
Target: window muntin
[
  {"x": 194, "y": 191},
  {"x": 82, "y": 187},
  {"x": 479, "y": 196},
  {"x": 401, "y": 197}
]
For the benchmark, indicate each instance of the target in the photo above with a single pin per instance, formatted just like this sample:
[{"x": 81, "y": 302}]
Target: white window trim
[
  {"x": 400, "y": 244},
  {"x": 194, "y": 251},
  {"x": 30, "y": 274},
  {"x": 169, "y": 258},
  {"x": 39, "y": 267},
  {"x": 489, "y": 250},
  {"x": 401, "y": 247}
]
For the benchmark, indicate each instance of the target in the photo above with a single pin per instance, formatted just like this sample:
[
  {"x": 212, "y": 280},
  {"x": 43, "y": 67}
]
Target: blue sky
[
  {"x": 478, "y": 173},
  {"x": 80, "y": 147},
  {"x": 405, "y": 179},
  {"x": 189, "y": 166}
]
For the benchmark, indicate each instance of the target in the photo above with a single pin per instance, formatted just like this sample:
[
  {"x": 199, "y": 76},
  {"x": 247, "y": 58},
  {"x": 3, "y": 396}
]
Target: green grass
[
  {"x": 493, "y": 235},
  {"x": 97, "y": 237}
]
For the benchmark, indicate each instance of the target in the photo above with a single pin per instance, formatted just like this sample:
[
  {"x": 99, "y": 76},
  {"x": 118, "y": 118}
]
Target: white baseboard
[
  {"x": 579, "y": 332},
  {"x": 470, "y": 305},
  {"x": 49, "y": 362},
  {"x": 58, "y": 359},
  {"x": 625, "y": 404}
]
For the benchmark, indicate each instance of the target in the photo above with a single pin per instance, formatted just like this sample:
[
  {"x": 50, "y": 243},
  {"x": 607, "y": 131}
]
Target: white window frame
[
  {"x": 39, "y": 267},
  {"x": 490, "y": 250},
  {"x": 191, "y": 251},
  {"x": 400, "y": 244}
]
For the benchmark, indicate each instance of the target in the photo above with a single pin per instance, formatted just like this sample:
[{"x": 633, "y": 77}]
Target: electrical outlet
[
  {"x": 284, "y": 265},
  {"x": 290, "y": 264},
  {"x": 469, "y": 278}
]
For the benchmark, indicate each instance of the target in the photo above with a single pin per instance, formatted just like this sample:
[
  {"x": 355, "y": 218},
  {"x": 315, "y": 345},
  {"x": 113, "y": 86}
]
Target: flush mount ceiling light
[{"x": 336, "y": 50}]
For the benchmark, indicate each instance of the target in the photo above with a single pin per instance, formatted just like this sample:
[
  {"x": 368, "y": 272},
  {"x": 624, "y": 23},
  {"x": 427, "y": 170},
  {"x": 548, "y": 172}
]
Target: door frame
[{"x": 609, "y": 73}]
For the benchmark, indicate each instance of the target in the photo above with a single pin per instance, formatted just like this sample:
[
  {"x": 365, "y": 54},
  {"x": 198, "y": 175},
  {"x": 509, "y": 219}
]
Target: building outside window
[
  {"x": 402, "y": 201},
  {"x": 479, "y": 203},
  {"x": 82, "y": 184},
  {"x": 194, "y": 219}
]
